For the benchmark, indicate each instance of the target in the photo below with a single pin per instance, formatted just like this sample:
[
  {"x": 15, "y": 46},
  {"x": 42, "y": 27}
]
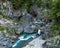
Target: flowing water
[{"x": 24, "y": 39}]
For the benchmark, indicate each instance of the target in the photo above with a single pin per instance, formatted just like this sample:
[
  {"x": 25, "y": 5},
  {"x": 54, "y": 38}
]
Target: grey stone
[
  {"x": 19, "y": 29},
  {"x": 29, "y": 29}
]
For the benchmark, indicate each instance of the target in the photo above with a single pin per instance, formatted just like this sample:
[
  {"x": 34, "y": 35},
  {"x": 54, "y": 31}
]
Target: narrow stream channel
[{"x": 24, "y": 39}]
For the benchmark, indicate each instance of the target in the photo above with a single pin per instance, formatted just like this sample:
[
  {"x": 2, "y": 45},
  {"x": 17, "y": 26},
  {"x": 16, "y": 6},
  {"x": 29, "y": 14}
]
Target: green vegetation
[
  {"x": 24, "y": 3},
  {"x": 54, "y": 6},
  {"x": 1, "y": 13},
  {"x": 2, "y": 27},
  {"x": 55, "y": 13},
  {"x": 6, "y": 17}
]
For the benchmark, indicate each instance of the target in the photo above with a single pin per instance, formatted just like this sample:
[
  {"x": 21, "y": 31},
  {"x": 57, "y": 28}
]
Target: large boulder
[
  {"x": 27, "y": 16},
  {"x": 19, "y": 29},
  {"x": 30, "y": 29}
]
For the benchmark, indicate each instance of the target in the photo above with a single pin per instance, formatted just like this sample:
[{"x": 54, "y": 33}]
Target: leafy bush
[
  {"x": 24, "y": 3},
  {"x": 55, "y": 13}
]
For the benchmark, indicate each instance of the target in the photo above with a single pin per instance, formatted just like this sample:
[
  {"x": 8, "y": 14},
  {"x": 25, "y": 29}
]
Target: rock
[
  {"x": 4, "y": 21},
  {"x": 5, "y": 31},
  {"x": 5, "y": 42},
  {"x": 32, "y": 10},
  {"x": 24, "y": 12},
  {"x": 1, "y": 7},
  {"x": 27, "y": 17},
  {"x": 29, "y": 25},
  {"x": 19, "y": 29},
  {"x": 13, "y": 37},
  {"x": 38, "y": 22},
  {"x": 16, "y": 14},
  {"x": 1, "y": 36},
  {"x": 30, "y": 29},
  {"x": 36, "y": 43}
]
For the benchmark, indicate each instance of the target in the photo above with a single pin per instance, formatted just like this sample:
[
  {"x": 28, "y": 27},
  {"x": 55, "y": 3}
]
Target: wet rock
[
  {"x": 39, "y": 31},
  {"x": 39, "y": 22}
]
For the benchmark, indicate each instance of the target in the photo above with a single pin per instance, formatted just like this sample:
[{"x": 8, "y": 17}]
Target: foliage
[
  {"x": 1, "y": 13},
  {"x": 55, "y": 13},
  {"x": 24, "y": 3},
  {"x": 4, "y": 28},
  {"x": 54, "y": 6}
]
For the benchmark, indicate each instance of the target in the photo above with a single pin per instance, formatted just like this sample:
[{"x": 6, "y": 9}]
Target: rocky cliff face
[{"x": 15, "y": 22}]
